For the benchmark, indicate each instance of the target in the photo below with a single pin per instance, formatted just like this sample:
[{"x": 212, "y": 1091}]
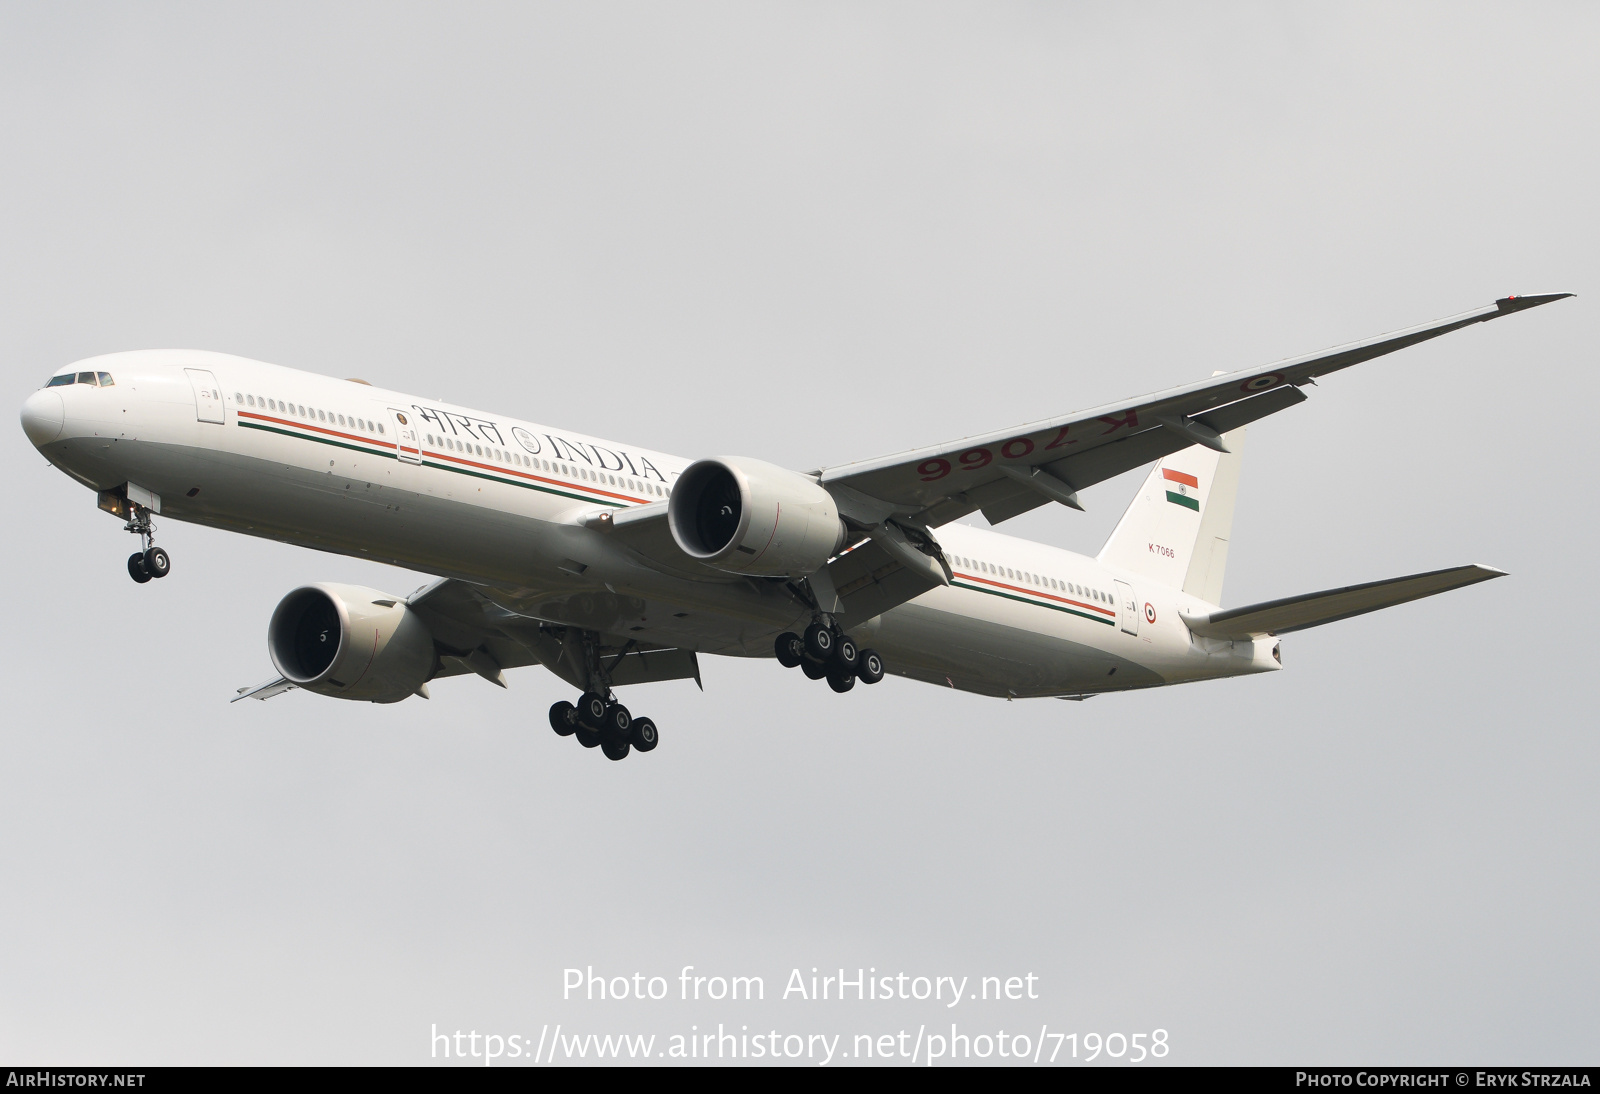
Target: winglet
[{"x": 1509, "y": 304}]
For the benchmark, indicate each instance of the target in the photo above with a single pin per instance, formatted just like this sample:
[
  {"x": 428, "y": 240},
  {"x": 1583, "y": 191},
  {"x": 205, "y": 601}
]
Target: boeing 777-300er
[{"x": 611, "y": 565}]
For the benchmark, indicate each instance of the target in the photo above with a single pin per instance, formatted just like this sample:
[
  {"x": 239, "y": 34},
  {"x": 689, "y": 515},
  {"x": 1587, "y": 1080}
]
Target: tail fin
[{"x": 1176, "y": 531}]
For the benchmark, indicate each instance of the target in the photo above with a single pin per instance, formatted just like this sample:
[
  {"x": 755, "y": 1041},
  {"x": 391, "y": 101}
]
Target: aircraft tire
[
  {"x": 157, "y": 563},
  {"x": 644, "y": 736},
  {"x": 592, "y": 711},
  {"x": 136, "y": 568},
  {"x": 813, "y": 670},
  {"x": 846, "y": 654},
  {"x": 841, "y": 681},
  {"x": 588, "y": 738},
  {"x": 870, "y": 667},
  {"x": 564, "y": 718},
  {"x": 617, "y": 722},
  {"x": 819, "y": 643},
  {"x": 790, "y": 648},
  {"x": 614, "y": 750}
]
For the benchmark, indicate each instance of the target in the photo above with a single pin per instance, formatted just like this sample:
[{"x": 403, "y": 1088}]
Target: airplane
[{"x": 611, "y": 565}]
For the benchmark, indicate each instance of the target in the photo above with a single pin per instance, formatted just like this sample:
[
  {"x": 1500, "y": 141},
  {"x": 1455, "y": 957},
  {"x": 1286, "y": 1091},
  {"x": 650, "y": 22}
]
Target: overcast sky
[{"x": 814, "y": 233}]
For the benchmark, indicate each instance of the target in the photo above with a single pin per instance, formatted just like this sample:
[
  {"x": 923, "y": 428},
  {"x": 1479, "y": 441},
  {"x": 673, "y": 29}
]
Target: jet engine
[
  {"x": 749, "y": 517},
  {"x": 351, "y": 643}
]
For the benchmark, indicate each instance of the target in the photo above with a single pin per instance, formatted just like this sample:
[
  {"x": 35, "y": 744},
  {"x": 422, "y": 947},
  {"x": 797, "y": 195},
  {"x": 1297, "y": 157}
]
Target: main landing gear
[
  {"x": 604, "y": 723},
  {"x": 598, "y": 720},
  {"x": 823, "y": 653},
  {"x": 152, "y": 561}
]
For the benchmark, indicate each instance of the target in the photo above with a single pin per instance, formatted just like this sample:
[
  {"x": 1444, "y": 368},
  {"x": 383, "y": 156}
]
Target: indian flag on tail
[{"x": 1182, "y": 489}]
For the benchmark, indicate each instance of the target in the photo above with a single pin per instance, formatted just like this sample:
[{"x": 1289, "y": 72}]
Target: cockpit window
[
  {"x": 62, "y": 381},
  {"x": 105, "y": 379},
  {"x": 86, "y": 378}
]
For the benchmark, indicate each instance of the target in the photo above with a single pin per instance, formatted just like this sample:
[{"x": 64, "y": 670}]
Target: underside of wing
[{"x": 474, "y": 632}]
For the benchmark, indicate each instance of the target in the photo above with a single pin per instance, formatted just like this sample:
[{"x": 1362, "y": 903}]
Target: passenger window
[
  {"x": 341, "y": 419},
  {"x": 251, "y": 399},
  {"x": 380, "y": 427}
]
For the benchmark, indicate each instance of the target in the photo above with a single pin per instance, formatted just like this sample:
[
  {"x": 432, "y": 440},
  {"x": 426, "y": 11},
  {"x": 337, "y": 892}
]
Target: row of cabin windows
[
  {"x": 1040, "y": 580},
  {"x": 311, "y": 414},
  {"x": 93, "y": 379},
  {"x": 455, "y": 444},
  {"x": 452, "y": 443}
]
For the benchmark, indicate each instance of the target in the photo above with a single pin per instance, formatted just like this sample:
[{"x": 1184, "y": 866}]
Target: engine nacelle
[
  {"x": 351, "y": 643},
  {"x": 749, "y": 517}
]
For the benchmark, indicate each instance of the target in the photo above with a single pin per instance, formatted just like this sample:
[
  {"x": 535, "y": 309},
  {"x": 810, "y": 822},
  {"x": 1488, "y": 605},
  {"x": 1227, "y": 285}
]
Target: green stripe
[
  {"x": 1036, "y": 604},
  {"x": 319, "y": 440},
  {"x": 388, "y": 454},
  {"x": 524, "y": 485},
  {"x": 1180, "y": 499}
]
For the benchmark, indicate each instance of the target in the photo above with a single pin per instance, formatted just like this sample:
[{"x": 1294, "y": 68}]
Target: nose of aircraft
[{"x": 42, "y": 416}]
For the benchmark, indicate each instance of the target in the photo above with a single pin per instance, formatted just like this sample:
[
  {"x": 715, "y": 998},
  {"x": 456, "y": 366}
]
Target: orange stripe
[
  {"x": 390, "y": 445},
  {"x": 1179, "y": 476},
  {"x": 1036, "y": 592}
]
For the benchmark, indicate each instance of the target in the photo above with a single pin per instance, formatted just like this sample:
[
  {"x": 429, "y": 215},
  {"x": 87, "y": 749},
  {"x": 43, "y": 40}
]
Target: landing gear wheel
[
  {"x": 614, "y": 750},
  {"x": 840, "y": 680},
  {"x": 870, "y": 667},
  {"x": 644, "y": 736},
  {"x": 588, "y": 738},
  {"x": 616, "y": 724},
  {"x": 846, "y": 654},
  {"x": 156, "y": 562},
  {"x": 592, "y": 711},
  {"x": 790, "y": 648},
  {"x": 136, "y": 568},
  {"x": 819, "y": 642},
  {"x": 564, "y": 718},
  {"x": 813, "y": 670}
]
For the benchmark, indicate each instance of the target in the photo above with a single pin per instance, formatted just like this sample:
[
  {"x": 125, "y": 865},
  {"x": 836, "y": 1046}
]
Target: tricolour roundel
[
  {"x": 1149, "y": 612},
  {"x": 1262, "y": 382}
]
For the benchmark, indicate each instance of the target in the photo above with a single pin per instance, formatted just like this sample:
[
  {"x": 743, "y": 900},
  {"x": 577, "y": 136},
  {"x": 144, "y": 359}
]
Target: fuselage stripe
[
  {"x": 1037, "y": 604},
  {"x": 1047, "y": 596},
  {"x": 388, "y": 451}
]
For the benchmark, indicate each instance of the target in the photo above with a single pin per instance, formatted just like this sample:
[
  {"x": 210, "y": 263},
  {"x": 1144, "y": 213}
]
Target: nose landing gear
[{"x": 152, "y": 561}]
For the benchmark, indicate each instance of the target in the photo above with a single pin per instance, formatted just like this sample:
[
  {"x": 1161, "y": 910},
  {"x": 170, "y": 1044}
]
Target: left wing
[{"x": 1010, "y": 472}]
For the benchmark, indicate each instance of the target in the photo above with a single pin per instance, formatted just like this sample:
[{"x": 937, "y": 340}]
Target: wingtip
[{"x": 1509, "y": 304}]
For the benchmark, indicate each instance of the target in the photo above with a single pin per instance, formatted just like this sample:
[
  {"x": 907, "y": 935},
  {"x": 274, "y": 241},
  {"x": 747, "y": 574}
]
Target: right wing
[{"x": 1296, "y": 613}]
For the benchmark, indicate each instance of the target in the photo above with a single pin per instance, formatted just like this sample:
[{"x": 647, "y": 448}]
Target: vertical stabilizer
[{"x": 1177, "y": 528}]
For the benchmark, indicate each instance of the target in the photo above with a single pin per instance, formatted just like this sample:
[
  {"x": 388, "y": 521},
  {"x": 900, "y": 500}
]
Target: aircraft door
[
  {"x": 404, "y": 424},
  {"x": 207, "y": 395},
  {"x": 1127, "y": 608}
]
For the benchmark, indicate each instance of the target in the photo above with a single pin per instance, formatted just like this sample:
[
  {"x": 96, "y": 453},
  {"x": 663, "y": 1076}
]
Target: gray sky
[{"x": 814, "y": 233}]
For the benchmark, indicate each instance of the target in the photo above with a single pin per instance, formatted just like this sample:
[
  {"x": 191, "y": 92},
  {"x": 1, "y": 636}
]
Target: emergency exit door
[
  {"x": 405, "y": 435},
  {"x": 1127, "y": 608}
]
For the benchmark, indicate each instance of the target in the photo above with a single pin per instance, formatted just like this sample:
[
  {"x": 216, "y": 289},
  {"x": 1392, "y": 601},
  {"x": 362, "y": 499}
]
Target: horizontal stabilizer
[{"x": 1296, "y": 613}]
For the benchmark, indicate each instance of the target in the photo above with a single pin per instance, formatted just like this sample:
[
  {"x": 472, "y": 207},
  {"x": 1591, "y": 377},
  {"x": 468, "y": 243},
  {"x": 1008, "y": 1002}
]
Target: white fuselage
[{"x": 342, "y": 466}]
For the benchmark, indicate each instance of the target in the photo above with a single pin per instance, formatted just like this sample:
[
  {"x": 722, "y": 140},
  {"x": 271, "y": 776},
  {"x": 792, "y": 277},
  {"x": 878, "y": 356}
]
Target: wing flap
[{"x": 1297, "y": 613}]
